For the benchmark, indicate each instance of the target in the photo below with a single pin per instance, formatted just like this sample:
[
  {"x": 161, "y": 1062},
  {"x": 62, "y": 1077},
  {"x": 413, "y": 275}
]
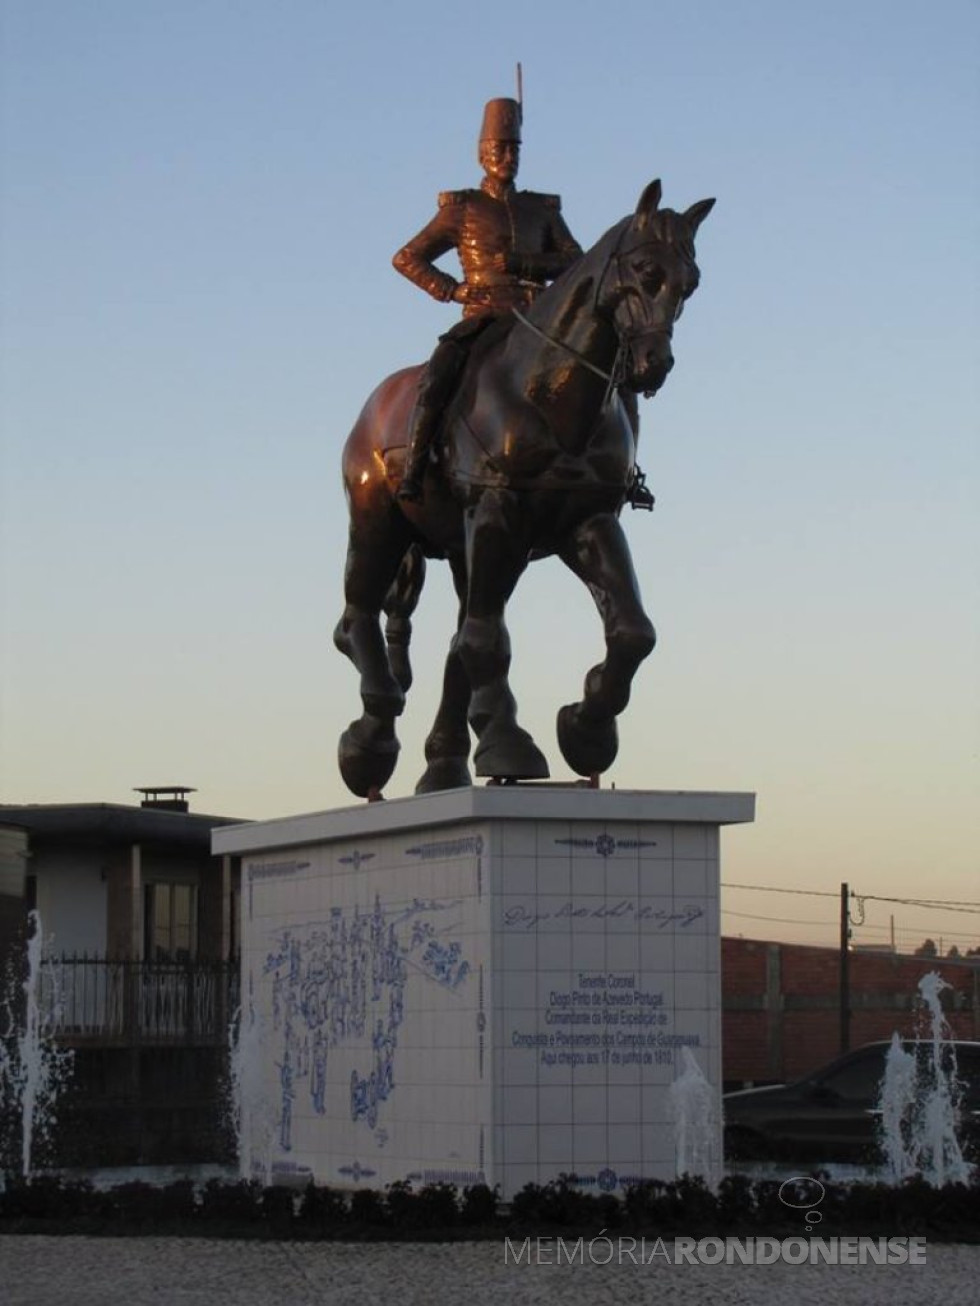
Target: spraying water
[
  {"x": 253, "y": 1114},
  {"x": 919, "y": 1099},
  {"x": 896, "y": 1102},
  {"x": 694, "y": 1107},
  {"x": 33, "y": 1070}
]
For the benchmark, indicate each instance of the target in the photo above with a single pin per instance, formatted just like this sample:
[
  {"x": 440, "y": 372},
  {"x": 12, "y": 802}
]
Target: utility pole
[{"x": 845, "y": 975}]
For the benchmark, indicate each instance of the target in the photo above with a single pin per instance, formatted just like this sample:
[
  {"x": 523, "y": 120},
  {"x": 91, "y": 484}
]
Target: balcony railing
[{"x": 96, "y": 1000}]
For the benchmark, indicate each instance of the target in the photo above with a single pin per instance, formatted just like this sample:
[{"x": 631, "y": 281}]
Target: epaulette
[
  {"x": 550, "y": 201},
  {"x": 453, "y": 197}
]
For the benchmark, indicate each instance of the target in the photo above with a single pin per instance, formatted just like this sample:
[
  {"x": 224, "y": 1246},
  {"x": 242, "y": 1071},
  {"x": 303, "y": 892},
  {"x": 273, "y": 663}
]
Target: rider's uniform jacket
[{"x": 523, "y": 225}]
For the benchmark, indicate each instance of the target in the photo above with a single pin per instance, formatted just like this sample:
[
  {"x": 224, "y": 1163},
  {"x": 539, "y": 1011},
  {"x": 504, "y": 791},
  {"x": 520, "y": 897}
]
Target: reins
[
  {"x": 613, "y": 378},
  {"x": 560, "y": 344}
]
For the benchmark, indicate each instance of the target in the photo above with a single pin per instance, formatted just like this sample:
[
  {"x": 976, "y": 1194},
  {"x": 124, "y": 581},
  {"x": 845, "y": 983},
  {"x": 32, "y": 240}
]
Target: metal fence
[{"x": 94, "y": 999}]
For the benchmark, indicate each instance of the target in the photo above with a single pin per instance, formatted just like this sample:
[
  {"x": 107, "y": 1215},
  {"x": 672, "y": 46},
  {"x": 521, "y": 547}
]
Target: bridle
[{"x": 615, "y": 377}]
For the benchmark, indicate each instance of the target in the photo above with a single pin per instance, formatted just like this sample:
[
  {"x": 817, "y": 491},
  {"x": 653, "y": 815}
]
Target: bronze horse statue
[{"x": 535, "y": 457}]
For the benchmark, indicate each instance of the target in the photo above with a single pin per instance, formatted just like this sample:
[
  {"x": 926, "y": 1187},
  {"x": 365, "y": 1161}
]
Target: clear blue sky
[{"x": 199, "y": 204}]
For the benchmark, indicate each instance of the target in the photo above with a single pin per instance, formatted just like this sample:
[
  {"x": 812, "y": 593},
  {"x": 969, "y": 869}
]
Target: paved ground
[{"x": 43, "y": 1271}]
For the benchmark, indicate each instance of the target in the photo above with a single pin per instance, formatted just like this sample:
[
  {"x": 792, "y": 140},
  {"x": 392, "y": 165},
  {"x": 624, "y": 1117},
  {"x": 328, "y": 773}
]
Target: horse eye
[{"x": 651, "y": 275}]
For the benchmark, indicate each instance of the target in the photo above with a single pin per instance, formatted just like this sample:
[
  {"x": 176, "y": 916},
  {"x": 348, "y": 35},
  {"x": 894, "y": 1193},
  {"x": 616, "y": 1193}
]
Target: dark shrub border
[{"x": 438, "y": 1212}]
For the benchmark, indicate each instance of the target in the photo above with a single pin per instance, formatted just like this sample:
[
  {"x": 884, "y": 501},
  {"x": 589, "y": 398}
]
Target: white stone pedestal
[{"x": 485, "y": 985}]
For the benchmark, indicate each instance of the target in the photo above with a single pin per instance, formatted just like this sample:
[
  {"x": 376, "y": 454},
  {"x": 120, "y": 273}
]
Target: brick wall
[{"x": 781, "y": 1005}]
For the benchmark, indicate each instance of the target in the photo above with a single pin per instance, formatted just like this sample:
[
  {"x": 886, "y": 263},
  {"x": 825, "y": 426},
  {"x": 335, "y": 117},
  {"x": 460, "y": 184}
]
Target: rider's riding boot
[
  {"x": 435, "y": 388},
  {"x": 424, "y": 419}
]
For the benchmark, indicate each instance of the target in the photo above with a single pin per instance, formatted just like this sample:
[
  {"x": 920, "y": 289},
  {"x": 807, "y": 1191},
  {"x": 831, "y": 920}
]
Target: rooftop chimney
[{"x": 165, "y": 798}]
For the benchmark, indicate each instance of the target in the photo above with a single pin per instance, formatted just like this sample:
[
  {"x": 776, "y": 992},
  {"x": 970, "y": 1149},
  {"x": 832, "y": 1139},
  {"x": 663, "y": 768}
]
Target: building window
[{"x": 170, "y": 922}]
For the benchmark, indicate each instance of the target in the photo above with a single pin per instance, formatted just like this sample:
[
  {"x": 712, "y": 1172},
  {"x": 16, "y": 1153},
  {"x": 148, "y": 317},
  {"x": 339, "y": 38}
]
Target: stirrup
[{"x": 637, "y": 493}]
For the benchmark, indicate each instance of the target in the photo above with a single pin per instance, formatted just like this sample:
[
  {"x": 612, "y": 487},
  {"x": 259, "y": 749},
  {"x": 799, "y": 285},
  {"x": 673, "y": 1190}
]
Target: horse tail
[{"x": 399, "y": 604}]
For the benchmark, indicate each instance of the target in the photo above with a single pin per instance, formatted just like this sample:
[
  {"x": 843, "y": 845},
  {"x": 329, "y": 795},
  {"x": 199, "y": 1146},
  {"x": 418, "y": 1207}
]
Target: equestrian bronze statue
[{"x": 518, "y": 443}]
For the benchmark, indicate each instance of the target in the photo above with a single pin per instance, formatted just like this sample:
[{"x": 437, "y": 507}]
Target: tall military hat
[{"x": 501, "y": 121}]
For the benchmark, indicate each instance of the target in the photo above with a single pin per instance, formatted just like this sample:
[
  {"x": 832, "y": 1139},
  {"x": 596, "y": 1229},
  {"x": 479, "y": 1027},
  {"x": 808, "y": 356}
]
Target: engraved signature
[{"x": 523, "y": 917}]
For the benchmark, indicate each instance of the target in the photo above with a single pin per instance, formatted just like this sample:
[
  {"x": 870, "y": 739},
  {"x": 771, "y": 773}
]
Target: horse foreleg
[
  {"x": 369, "y": 748},
  {"x": 496, "y": 556},
  {"x": 447, "y": 746},
  {"x": 400, "y": 602},
  {"x": 599, "y": 555}
]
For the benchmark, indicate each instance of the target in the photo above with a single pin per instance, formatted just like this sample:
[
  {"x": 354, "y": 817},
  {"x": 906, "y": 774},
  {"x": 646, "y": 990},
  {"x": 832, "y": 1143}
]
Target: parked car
[{"x": 834, "y": 1113}]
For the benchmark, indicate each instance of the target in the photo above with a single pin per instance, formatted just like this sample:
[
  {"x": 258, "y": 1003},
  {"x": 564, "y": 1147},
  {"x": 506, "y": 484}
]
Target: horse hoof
[
  {"x": 445, "y": 773},
  {"x": 366, "y": 755},
  {"x": 511, "y": 755},
  {"x": 588, "y": 747}
]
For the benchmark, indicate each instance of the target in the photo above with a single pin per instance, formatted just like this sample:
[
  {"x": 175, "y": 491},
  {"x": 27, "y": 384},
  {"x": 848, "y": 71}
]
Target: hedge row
[{"x": 740, "y": 1207}]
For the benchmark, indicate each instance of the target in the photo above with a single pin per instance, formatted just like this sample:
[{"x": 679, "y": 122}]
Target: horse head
[{"x": 649, "y": 275}]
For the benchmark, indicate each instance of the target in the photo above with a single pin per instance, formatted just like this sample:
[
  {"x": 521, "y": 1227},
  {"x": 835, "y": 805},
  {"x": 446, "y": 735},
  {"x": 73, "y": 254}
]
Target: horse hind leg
[
  {"x": 599, "y": 555},
  {"x": 368, "y": 748}
]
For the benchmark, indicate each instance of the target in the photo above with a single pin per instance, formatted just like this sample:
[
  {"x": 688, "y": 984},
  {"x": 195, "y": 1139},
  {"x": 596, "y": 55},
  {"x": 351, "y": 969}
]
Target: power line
[
  {"x": 960, "y": 909},
  {"x": 768, "y": 888},
  {"x": 779, "y": 920},
  {"x": 954, "y": 905}
]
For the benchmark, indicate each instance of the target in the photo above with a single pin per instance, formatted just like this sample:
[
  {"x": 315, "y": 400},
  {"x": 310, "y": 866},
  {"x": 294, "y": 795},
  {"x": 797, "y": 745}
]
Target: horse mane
[{"x": 598, "y": 253}]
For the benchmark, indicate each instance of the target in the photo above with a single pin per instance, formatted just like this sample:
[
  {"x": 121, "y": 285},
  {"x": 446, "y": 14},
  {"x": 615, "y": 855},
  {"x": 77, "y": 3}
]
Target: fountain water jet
[
  {"x": 896, "y": 1101},
  {"x": 33, "y": 1069},
  {"x": 919, "y": 1100},
  {"x": 253, "y": 1115},
  {"x": 694, "y": 1106}
]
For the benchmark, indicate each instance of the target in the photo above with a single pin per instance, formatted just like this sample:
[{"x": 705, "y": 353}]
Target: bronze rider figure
[{"x": 510, "y": 244}]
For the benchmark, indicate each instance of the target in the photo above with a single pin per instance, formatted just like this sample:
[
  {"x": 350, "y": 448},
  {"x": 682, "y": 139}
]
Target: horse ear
[
  {"x": 697, "y": 213},
  {"x": 649, "y": 202}
]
